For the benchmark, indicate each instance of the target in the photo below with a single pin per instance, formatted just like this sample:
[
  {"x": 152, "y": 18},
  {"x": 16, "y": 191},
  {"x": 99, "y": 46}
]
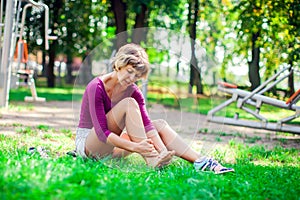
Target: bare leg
[
  {"x": 173, "y": 141},
  {"x": 167, "y": 138},
  {"x": 95, "y": 148},
  {"x": 118, "y": 152},
  {"x": 158, "y": 143},
  {"x": 125, "y": 114}
]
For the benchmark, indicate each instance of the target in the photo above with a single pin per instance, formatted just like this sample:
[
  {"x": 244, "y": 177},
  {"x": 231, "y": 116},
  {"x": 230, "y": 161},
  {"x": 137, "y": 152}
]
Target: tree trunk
[
  {"x": 52, "y": 49},
  {"x": 50, "y": 66},
  {"x": 69, "y": 76},
  {"x": 44, "y": 64},
  {"x": 195, "y": 75},
  {"x": 291, "y": 86},
  {"x": 119, "y": 9},
  {"x": 139, "y": 33},
  {"x": 254, "y": 76}
]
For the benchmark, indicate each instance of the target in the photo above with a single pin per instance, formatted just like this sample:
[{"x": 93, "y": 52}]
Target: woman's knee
[
  {"x": 160, "y": 124},
  {"x": 129, "y": 103}
]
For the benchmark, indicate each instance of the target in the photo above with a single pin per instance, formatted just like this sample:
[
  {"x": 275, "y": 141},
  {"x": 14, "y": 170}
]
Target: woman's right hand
[{"x": 146, "y": 148}]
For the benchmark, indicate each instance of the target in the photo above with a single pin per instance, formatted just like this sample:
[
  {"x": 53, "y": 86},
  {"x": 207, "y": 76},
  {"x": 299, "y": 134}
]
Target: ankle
[
  {"x": 161, "y": 149},
  {"x": 201, "y": 159}
]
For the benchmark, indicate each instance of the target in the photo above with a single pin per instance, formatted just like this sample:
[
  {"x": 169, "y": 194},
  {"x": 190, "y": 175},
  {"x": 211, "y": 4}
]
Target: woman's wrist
[{"x": 133, "y": 147}]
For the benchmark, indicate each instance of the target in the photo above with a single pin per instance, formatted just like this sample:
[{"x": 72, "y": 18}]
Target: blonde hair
[{"x": 132, "y": 54}]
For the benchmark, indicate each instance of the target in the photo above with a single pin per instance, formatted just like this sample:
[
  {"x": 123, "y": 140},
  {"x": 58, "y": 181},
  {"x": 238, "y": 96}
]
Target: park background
[
  {"x": 191, "y": 45},
  {"x": 247, "y": 41}
]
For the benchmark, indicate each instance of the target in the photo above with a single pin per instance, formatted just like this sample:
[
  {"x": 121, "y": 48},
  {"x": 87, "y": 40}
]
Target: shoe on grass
[{"x": 209, "y": 164}]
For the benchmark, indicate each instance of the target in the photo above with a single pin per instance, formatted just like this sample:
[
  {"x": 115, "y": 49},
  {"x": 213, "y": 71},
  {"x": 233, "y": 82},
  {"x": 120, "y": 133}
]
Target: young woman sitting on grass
[{"x": 113, "y": 102}]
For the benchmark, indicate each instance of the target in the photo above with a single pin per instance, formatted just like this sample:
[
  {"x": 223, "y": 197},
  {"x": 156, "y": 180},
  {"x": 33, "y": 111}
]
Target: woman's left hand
[{"x": 146, "y": 148}]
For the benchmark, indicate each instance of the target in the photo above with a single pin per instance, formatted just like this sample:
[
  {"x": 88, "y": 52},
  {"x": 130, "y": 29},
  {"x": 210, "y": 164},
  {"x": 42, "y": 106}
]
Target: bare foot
[
  {"x": 168, "y": 155},
  {"x": 161, "y": 160}
]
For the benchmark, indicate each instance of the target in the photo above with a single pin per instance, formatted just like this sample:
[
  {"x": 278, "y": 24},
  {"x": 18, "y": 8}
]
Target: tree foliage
[
  {"x": 261, "y": 33},
  {"x": 270, "y": 28}
]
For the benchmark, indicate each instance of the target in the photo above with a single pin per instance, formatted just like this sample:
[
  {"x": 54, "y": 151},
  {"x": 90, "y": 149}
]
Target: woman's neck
[
  {"x": 111, "y": 83},
  {"x": 110, "y": 80}
]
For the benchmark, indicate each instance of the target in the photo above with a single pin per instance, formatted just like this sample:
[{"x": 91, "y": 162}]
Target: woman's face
[{"x": 128, "y": 75}]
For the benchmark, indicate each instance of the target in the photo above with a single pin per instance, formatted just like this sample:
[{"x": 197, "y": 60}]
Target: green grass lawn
[
  {"x": 260, "y": 173},
  {"x": 51, "y": 94}
]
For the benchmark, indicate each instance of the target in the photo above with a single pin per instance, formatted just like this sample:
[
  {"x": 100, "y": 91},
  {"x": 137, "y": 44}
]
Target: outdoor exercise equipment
[
  {"x": 12, "y": 28},
  {"x": 246, "y": 100}
]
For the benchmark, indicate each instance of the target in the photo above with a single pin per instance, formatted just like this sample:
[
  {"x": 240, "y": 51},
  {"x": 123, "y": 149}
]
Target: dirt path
[{"x": 193, "y": 127}]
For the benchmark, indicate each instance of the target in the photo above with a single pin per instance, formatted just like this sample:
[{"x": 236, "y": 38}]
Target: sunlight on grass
[
  {"x": 49, "y": 178},
  {"x": 261, "y": 172},
  {"x": 20, "y": 107},
  {"x": 51, "y": 94}
]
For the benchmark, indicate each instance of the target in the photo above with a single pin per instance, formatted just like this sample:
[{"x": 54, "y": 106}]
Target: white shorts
[{"x": 81, "y": 135}]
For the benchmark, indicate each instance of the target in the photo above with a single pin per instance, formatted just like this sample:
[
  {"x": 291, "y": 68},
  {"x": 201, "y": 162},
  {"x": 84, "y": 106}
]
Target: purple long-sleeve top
[{"x": 96, "y": 104}]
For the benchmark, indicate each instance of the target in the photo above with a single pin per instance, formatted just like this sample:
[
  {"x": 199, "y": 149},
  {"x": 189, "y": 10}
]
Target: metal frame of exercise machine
[
  {"x": 10, "y": 28},
  {"x": 244, "y": 100}
]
